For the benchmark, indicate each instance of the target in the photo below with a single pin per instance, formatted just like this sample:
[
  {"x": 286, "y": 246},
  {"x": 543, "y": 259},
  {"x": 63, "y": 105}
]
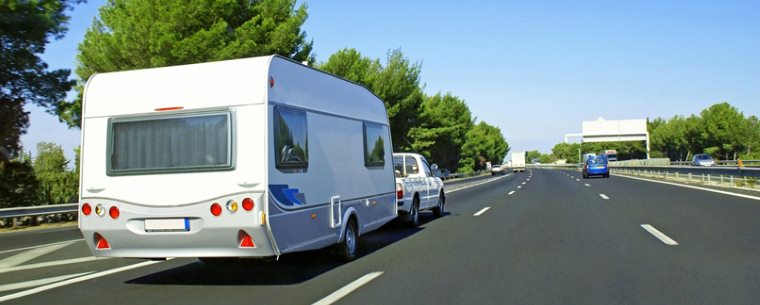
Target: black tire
[
  {"x": 349, "y": 244},
  {"x": 413, "y": 218},
  {"x": 439, "y": 209}
]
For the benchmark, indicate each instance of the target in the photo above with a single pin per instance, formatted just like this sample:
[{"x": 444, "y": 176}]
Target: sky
[{"x": 535, "y": 69}]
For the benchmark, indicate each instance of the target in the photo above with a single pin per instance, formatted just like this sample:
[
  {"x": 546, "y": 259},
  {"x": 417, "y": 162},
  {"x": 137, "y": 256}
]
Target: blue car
[{"x": 596, "y": 166}]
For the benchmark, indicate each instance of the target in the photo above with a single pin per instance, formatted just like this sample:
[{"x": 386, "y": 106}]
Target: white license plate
[{"x": 167, "y": 224}]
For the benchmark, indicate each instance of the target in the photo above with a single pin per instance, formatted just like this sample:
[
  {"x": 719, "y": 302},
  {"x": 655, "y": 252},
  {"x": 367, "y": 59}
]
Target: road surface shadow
[{"x": 290, "y": 269}]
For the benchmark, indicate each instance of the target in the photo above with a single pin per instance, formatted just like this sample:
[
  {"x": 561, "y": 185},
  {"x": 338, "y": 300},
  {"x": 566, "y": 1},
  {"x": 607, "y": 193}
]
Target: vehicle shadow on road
[{"x": 290, "y": 269}]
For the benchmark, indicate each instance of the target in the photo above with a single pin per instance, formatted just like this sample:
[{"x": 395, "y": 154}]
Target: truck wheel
[
  {"x": 413, "y": 218},
  {"x": 439, "y": 209},
  {"x": 349, "y": 245}
]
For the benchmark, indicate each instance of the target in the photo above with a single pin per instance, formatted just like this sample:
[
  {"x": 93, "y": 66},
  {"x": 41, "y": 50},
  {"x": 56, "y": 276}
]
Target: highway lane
[{"x": 551, "y": 240}]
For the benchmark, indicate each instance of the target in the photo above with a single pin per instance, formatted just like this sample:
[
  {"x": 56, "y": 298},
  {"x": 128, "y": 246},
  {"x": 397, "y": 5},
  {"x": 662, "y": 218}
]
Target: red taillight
[
  {"x": 113, "y": 212},
  {"x": 245, "y": 240},
  {"x": 169, "y": 108},
  {"x": 216, "y": 209},
  {"x": 86, "y": 209},
  {"x": 101, "y": 243},
  {"x": 248, "y": 204},
  {"x": 399, "y": 191}
]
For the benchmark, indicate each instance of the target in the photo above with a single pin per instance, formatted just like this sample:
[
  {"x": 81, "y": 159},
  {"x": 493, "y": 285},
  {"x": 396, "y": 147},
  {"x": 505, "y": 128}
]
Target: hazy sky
[{"x": 535, "y": 69}]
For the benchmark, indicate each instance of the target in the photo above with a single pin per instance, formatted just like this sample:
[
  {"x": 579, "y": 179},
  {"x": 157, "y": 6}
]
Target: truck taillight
[{"x": 399, "y": 191}]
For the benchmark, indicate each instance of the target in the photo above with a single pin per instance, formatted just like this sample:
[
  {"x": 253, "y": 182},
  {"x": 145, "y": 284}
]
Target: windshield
[{"x": 170, "y": 144}]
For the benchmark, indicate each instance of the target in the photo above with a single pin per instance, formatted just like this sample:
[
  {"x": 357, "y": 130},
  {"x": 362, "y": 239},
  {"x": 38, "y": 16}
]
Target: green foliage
[
  {"x": 57, "y": 184},
  {"x": 484, "y": 143},
  {"x": 25, "y": 28},
  {"x": 567, "y": 151},
  {"x": 533, "y": 154},
  {"x": 444, "y": 122},
  {"x": 136, "y": 34},
  {"x": 720, "y": 130},
  {"x": 397, "y": 83},
  {"x": 17, "y": 182}
]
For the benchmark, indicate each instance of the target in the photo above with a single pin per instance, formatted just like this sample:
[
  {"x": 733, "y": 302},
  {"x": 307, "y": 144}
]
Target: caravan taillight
[
  {"x": 113, "y": 212},
  {"x": 169, "y": 108},
  {"x": 248, "y": 204},
  {"x": 86, "y": 209},
  {"x": 399, "y": 191},
  {"x": 271, "y": 82},
  {"x": 216, "y": 209}
]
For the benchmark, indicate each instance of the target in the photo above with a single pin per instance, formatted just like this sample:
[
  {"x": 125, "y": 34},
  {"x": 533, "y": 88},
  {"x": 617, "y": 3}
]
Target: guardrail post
[
  {"x": 732, "y": 179},
  {"x": 676, "y": 175},
  {"x": 15, "y": 222},
  {"x": 689, "y": 180},
  {"x": 721, "y": 179},
  {"x": 708, "y": 179}
]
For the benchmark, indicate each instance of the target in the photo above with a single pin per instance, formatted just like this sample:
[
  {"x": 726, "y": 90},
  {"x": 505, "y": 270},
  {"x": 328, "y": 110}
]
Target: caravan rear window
[
  {"x": 291, "y": 149},
  {"x": 170, "y": 144}
]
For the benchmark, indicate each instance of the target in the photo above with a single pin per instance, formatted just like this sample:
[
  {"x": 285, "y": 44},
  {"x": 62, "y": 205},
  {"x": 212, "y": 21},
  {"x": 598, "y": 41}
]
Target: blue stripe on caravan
[{"x": 187, "y": 224}]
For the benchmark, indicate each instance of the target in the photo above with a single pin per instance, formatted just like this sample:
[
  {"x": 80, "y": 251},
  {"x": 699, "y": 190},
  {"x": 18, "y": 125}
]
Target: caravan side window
[
  {"x": 291, "y": 144},
  {"x": 374, "y": 145}
]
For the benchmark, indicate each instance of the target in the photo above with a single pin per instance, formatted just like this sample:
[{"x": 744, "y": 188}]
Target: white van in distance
[{"x": 253, "y": 157}]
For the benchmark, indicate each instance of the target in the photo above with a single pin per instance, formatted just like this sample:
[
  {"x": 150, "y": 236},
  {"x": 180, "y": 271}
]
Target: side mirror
[{"x": 434, "y": 167}]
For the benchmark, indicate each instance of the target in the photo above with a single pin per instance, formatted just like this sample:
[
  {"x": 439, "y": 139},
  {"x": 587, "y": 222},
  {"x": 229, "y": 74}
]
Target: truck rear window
[{"x": 170, "y": 144}]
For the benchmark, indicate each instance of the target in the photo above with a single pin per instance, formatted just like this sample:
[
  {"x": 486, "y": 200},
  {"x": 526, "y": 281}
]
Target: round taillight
[
  {"x": 248, "y": 204},
  {"x": 216, "y": 209},
  {"x": 113, "y": 212},
  {"x": 86, "y": 209},
  {"x": 232, "y": 206}
]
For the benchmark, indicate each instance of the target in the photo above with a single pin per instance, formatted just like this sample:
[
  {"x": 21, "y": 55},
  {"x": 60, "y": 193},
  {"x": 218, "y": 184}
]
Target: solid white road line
[
  {"x": 35, "y": 283},
  {"x": 694, "y": 187},
  {"x": 512, "y": 192},
  {"x": 26, "y": 256},
  {"x": 661, "y": 236},
  {"x": 587, "y": 184},
  {"x": 340, "y": 293},
  {"x": 53, "y": 263},
  {"x": 73, "y": 281},
  {"x": 476, "y": 184},
  {"x": 604, "y": 196},
  {"x": 481, "y": 211},
  {"x": 40, "y": 246}
]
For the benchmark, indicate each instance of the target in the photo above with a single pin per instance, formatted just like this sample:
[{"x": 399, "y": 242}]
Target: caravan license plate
[{"x": 167, "y": 225}]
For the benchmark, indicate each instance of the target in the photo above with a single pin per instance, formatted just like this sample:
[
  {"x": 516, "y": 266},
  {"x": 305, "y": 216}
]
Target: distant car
[
  {"x": 702, "y": 160},
  {"x": 497, "y": 169},
  {"x": 596, "y": 166}
]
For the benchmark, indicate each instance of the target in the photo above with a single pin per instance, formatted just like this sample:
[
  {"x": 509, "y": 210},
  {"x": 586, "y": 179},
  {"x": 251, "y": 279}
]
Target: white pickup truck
[{"x": 417, "y": 188}]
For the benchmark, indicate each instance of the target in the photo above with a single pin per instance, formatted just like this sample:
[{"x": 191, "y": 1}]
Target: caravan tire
[
  {"x": 439, "y": 210},
  {"x": 349, "y": 245}
]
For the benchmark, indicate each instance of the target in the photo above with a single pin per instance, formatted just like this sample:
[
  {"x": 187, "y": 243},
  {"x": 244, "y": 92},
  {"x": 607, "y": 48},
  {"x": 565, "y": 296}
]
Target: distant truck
[
  {"x": 518, "y": 161},
  {"x": 417, "y": 188},
  {"x": 611, "y": 154}
]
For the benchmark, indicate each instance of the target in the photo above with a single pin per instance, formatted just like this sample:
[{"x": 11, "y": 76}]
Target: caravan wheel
[{"x": 348, "y": 247}]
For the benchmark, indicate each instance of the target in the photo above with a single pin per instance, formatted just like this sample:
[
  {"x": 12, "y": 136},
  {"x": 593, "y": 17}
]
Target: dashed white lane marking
[
  {"x": 26, "y": 256},
  {"x": 476, "y": 184},
  {"x": 572, "y": 177},
  {"x": 53, "y": 263},
  {"x": 528, "y": 179},
  {"x": 587, "y": 184},
  {"x": 75, "y": 280},
  {"x": 40, "y": 246},
  {"x": 577, "y": 179},
  {"x": 604, "y": 196},
  {"x": 510, "y": 193},
  {"x": 40, "y": 282},
  {"x": 519, "y": 186},
  {"x": 523, "y": 183},
  {"x": 481, "y": 211},
  {"x": 661, "y": 236},
  {"x": 340, "y": 293}
]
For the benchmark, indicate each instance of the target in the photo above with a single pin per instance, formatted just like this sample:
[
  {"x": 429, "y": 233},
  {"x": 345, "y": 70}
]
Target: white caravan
[
  {"x": 518, "y": 161},
  {"x": 253, "y": 157}
]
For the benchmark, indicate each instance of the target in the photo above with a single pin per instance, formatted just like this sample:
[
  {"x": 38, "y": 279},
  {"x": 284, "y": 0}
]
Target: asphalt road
[{"x": 539, "y": 237}]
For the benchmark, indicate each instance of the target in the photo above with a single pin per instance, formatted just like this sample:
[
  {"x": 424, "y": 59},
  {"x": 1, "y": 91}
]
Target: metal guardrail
[{"x": 15, "y": 213}]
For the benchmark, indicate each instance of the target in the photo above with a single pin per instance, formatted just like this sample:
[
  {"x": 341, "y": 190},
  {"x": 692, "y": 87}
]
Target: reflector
[
  {"x": 247, "y": 241},
  {"x": 248, "y": 204},
  {"x": 101, "y": 243},
  {"x": 216, "y": 209}
]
